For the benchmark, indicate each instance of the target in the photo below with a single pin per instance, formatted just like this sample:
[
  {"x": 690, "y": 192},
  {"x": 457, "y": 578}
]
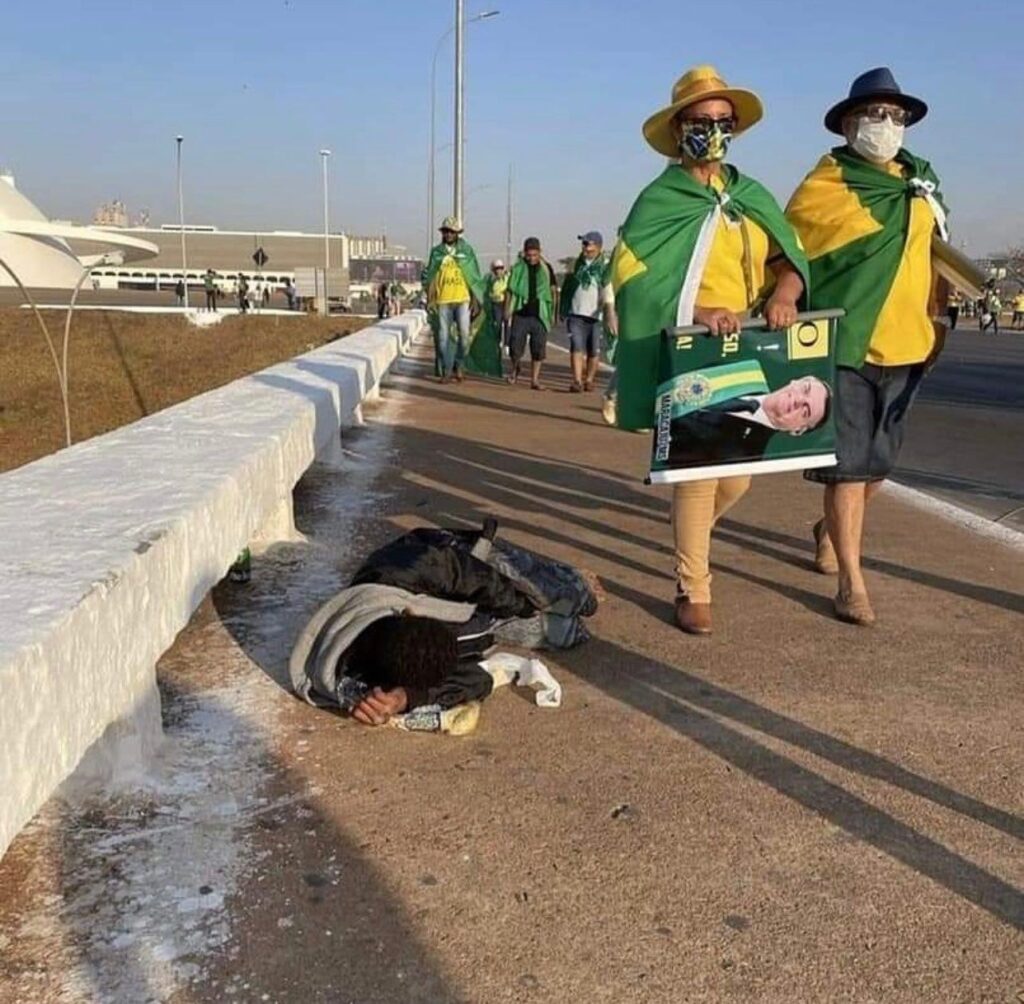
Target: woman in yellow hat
[{"x": 702, "y": 245}]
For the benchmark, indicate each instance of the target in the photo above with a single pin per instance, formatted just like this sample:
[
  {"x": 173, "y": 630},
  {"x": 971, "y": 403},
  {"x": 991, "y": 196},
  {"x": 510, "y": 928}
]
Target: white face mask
[{"x": 878, "y": 142}]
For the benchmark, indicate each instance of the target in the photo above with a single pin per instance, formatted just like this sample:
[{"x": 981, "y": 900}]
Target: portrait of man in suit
[{"x": 732, "y": 428}]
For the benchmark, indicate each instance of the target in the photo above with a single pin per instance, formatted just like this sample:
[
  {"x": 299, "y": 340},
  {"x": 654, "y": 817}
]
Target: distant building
[
  {"x": 110, "y": 214},
  {"x": 357, "y": 262}
]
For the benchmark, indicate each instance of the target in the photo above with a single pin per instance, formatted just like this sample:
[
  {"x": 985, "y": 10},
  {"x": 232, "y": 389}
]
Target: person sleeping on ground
[{"x": 423, "y": 611}]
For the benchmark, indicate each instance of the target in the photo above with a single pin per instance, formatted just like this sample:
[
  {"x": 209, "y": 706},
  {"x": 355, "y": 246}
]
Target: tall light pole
[
  {"x": 432, "y": 152},
  {"x": 181, "y": 225},
  {"x": 324, "y": 154},
  {"x": 460, "y": 108}
]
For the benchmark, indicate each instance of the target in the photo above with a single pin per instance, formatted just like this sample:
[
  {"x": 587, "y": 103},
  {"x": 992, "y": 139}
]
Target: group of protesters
[{"x": 704, "y": 244}]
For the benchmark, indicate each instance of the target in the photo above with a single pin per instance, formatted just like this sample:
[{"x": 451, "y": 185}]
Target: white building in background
[{"x": 47, "y": 255}]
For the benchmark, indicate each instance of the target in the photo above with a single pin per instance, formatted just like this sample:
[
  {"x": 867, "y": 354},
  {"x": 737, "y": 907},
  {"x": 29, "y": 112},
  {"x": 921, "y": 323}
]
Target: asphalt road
[{"x": 964, "y": 438}]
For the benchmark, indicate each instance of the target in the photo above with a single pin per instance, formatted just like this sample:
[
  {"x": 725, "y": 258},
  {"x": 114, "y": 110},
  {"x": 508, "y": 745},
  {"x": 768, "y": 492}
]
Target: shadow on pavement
[
  {"x": 476, "y": 480},
  {"x": 694, "y": 708}
]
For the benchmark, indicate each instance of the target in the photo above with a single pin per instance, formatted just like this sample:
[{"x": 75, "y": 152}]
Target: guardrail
[{"x": 108, "y": 547}]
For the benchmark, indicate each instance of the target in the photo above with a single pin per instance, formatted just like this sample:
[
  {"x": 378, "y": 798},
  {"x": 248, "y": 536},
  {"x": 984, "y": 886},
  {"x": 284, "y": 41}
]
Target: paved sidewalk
[{"x": 792, "y": 810}]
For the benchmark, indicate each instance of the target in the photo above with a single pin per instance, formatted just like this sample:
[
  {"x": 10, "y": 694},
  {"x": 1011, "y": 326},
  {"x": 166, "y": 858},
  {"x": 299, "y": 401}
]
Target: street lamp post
[
  {"x": 432, "y": 152},
  {"x": 324, "y": 154},
  {"x": 460, "y": 107},
  {"x": 181, "y": 225}
]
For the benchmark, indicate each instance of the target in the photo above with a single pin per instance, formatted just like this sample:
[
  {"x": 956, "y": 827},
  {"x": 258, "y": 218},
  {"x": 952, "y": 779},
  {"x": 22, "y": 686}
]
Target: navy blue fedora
[{"x": 875, "y": 85}]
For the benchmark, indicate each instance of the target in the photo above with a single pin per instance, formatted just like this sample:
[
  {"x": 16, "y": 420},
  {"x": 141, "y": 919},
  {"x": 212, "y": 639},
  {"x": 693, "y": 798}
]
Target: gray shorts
[{"x": 871, "y": 406}]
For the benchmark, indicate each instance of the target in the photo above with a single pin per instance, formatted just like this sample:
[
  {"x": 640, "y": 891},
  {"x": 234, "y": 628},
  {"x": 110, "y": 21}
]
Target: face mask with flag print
[
  {"x": 878, "y": 142},
  {"x": 702, "y": 142}
]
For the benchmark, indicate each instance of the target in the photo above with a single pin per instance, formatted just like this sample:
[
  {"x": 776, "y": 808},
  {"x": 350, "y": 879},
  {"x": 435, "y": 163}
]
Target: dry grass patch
[{"x": 124, "y": 366}]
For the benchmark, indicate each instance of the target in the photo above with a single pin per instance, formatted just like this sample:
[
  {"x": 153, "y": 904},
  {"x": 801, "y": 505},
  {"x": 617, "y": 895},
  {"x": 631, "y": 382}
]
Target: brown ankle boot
[{"x": 693, "y": 618}]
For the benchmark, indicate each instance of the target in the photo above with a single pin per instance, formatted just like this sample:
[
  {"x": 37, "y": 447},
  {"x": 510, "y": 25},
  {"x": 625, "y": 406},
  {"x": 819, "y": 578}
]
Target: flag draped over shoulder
[
  {"x": 519, "y": 288},
  {"x": 658, "y": 263},
  {"x": 853, "y": 218},
  {"x": 583, "y": 273},
  {"x": 483, "y": 354}
]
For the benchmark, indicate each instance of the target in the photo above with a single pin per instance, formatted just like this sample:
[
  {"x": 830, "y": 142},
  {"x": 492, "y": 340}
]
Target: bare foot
[{"x": 591, "y": 579}]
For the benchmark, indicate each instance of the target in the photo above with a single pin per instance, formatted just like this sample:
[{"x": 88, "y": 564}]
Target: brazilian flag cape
[
  {"x": 853, "y": 218},
  {"x": 519, "y": 289},
  {"x": 658, "y": 263},
  {"x": 484, "y": 351}
]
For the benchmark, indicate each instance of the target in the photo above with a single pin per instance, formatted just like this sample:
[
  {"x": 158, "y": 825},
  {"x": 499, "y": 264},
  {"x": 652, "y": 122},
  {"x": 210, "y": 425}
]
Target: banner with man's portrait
[{"x": 753, "y": 402}]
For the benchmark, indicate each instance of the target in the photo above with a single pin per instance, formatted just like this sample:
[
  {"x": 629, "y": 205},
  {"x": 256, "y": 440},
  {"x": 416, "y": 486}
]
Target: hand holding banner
[{"x": 753, "y": 402}]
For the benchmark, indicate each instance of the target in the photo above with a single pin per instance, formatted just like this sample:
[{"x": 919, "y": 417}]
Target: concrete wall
[{"x": 109, "y": 547}]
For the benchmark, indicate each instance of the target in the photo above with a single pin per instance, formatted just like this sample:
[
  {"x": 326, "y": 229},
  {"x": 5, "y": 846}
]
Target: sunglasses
[
  {"x": 705, "y": 123},
  {"x": 879, "y": 113}
]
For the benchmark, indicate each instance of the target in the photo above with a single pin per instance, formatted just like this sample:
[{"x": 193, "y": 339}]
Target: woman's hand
[
  {"x": 780, "y": 311},
  {"x": 717, "y": 320},
  {"x": 379, "y": 705}
]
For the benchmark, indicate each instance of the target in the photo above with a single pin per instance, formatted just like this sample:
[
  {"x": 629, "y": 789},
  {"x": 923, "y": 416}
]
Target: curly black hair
[{"x": 404, "y": 651}]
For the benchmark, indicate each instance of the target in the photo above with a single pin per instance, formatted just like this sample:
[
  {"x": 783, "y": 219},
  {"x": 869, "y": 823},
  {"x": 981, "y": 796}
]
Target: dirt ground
[{"x": 125, "y": 366}]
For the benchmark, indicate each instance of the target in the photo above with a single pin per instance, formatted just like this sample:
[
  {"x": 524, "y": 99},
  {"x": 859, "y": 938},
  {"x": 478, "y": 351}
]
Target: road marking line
[{"x": 956, "y": 514}]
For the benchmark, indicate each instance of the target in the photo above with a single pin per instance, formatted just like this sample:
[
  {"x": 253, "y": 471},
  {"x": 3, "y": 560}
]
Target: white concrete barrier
[{"x": 107, "y": 548}]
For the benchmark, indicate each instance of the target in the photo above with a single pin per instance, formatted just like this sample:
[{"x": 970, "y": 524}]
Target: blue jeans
[{"x": 452, "y": 345}]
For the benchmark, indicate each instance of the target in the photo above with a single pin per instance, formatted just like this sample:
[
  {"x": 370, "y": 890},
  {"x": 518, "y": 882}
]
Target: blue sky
[{"x": 95, "y": 93}]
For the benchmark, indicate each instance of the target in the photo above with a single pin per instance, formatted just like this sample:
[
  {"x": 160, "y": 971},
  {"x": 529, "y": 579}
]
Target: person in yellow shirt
[
  {"x": 866, "y": 216},
  {"x": 452, "y": 280},
  {"x": 1017, "y": 321},
  {"x": 702, "y": 244},
  {"x": 497, "y": 284}
]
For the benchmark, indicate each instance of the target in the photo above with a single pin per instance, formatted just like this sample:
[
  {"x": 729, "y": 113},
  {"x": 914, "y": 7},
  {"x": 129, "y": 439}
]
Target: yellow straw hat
[{"x": 699, "y": 84}]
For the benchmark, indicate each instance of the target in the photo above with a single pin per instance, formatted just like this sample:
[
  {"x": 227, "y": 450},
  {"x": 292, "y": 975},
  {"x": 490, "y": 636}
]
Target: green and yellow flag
[
  {"x": 657, "y": 265},
  {"x": 483, "y": 354},
  {"x": 853, "y": 218},
  {"x": 707, "y": 388}
]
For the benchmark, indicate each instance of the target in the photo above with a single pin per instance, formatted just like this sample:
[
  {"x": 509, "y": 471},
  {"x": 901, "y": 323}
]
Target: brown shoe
[
  {"x": 825, "y": 560},
  {"x": 693, "y": 618},
  {"x": 854, "y": 608},
  {"x": 459, "y": 375}
]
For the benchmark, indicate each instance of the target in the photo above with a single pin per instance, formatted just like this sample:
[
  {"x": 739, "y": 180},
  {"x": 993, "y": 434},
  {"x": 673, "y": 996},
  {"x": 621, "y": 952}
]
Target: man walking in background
[
  {"x": 1017, "y": 321},
  {"x": 243, "y": 294},
  {"x": 585, "y": 293},
  {"x": 530, "y": 308},
  {"x": 210, "y": 288},
  {"x": 452, "y": 279}
]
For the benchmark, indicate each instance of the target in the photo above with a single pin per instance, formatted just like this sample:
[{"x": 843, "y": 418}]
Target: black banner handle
[{"x": 754, "y": 323}]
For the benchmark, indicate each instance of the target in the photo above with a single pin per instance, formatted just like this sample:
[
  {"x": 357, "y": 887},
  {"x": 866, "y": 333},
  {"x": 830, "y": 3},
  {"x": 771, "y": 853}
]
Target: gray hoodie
[{"x": 313, "y": 665}]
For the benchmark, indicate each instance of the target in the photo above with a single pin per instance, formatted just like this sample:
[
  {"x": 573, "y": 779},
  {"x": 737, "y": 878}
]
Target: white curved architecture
[{"x": 52, "y": 255}]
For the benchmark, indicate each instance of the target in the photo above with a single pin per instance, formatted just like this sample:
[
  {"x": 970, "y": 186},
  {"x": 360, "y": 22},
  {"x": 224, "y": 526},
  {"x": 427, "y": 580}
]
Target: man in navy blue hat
[
  {"x": 585, "y": 293},
  {"x": 867, "y": 216}
]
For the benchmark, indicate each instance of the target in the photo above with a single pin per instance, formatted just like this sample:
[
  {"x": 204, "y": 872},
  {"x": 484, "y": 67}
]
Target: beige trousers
[{"x": 696, "y": 507}]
